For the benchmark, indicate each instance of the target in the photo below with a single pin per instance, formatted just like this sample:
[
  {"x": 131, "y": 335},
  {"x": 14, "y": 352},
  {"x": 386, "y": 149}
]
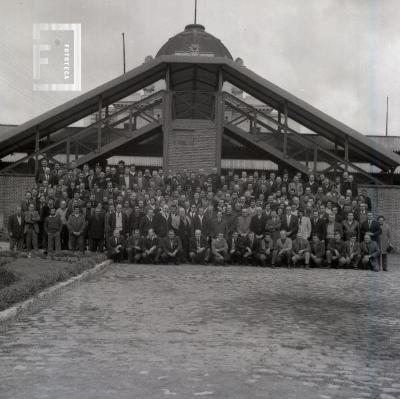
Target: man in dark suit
[
  {"x": 116, "y": 247},
  {"x": 151, "y": 248},
  {"x": 162, "y": 222},
  {"x": 16, "y": 229},
  {"x": 290, "y": 223},
  {"x": 257, "y": 224},
  {"x": 200, "y": 222},
  {"x": 126, "y": 179},
  {"x": 171, "y": 247},
  {"x": 251, "y": 246},
  {"x": 353, "y": 249},
  {"x": 318, "y": 226},
  {"x": 96, "y": 230},
  {"x": 135, "y": 219},
  {"x": 146, "y": 223},
  {"x": 370, "y": 253},
  {"x": 199, "y": 250},
  {"x": 235, "y": 248},
  {"x": 134, "y": 247},
  {"x": 372, "y": 227},
  {"x": 119, "y": 221}
]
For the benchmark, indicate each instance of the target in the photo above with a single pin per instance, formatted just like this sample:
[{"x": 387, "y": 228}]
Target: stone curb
[{"x": 21, "y": 308}]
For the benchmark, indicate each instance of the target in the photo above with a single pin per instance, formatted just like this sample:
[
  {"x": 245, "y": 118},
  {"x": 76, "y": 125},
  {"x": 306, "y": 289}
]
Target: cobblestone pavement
[{"x": 218, "y": 332}]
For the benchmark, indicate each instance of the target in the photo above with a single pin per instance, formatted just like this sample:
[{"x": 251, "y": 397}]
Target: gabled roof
[
  {"x": 83, "y": 105},
  {"x": 238, "y": 75}
]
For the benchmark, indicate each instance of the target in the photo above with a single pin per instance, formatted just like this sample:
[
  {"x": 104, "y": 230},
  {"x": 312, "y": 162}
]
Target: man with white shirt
[{"x": 119, "y": 221}]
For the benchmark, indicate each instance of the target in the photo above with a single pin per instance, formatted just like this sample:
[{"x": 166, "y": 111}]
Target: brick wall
[
  {"x": 386, "y": 201},
  {"x": 192, "y": 145},
  {"x": 12, "y": 192}
]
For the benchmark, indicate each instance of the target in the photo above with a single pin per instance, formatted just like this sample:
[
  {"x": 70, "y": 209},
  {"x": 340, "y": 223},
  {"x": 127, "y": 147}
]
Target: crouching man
[
  {"x": 336, "y": 251},
  {"x": 134, "y": 247},
  {"x": 219, "y": 249},
  {"x": 301, "y": 251},
  {"x": 317, "y": 253},
  {"x": 266, "y": 250},
  {"x": 116, "y": 248},
  {"x": 370, "y": 253},
  {"x": 353, "y": 252},
  {"x": 282, "y": 253},
  {"x": 199, "y": 251},
  {"x": 251, "y": 249},
  {"x": 235, "y": 249},
  {"x": 151, "y": 248},
  {"x": 171, "y": 247}
]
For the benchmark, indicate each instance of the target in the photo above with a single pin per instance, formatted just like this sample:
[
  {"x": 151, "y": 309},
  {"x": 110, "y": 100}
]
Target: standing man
[
  {"x": 96, "y": 230},
  {"x": 289, "y": 223},
  {"x": 16, "y": 229},
  {"x": 384, "y": 242},
  {"x": 31, "y": 228},
  {"x": 119, "y": 221},
  {"x": 372, "y": 227},
  {"x": 76, "y": 227},
  {"x": 52, "y": 227},
  {"x": 64, "y": 235}
]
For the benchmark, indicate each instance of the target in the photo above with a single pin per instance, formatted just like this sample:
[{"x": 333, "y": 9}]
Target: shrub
[{"x": 6, "y": 277}]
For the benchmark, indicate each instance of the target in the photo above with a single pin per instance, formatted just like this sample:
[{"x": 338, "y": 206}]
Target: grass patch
[{"x": 21, "y": 278}]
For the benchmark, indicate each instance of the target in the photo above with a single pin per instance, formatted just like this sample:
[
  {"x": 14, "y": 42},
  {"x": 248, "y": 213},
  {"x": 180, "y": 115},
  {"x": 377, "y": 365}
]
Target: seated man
[
  {"x": 251, "y": 249},
  {"x": 151, "y": 248},
  {"x": 117, "y": 247},
  {"x": 219, "y": 249},
  {"x": 370, "y": 253},
  {"x": 336, "y": 251},
  {"x": 353, "y": 252},
  {"x": 235, "y": 249},
  {"x": 171, "y": 248},
  {"x": 134, "y": 247},
  {"x": 266, "y": 249},
  {"x": 283, "y": 251},
  {"x": 317, "y": 251},
  {"x": 301, "y": 250},
  {"x": 199, "y": 250}
]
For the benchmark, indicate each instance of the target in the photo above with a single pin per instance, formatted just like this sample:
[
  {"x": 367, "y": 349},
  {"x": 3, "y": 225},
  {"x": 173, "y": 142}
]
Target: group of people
[{"x": 243, "y": 218}]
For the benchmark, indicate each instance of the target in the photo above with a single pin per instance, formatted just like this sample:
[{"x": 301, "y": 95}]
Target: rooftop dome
[{"x": 195, "y": 41}]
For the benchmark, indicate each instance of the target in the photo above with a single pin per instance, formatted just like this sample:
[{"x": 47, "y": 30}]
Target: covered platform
[{"x": 192, "y": 70}]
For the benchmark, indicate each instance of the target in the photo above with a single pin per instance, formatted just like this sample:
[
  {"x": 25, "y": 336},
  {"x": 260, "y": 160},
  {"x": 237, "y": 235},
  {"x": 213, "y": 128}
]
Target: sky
[{"x": 341, "y": 56}]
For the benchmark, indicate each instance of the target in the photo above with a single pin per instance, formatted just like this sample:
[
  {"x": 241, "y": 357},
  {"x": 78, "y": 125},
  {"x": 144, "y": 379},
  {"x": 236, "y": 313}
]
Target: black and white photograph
[{"x": 199, "y": 198}]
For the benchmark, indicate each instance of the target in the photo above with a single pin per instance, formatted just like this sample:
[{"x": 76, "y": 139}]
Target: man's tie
[
  {"x": 172, "y": 244},
  {"x": 198, "y": 243}
]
